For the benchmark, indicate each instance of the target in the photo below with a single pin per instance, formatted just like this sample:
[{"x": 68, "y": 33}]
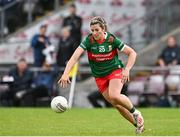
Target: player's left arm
[
  {"x": 131, "y": 60},
  {"x": 131, "y": 56},
  {"x": 121, "y": 46}
]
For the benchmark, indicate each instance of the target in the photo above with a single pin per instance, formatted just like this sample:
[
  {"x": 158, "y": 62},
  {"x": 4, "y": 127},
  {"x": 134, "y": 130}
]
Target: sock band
[
  {"x": 135, "y": 125},
  {"x": 132, "y": 110}
]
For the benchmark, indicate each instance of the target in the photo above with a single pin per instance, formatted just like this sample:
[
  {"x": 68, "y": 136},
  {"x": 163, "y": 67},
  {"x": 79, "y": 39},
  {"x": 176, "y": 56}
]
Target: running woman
[{"x": 110, "y": 73}]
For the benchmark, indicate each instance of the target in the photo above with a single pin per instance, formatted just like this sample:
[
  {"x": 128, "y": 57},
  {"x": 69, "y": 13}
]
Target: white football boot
[
  {"x": 139, "y": 121},
  {"x": 139, "y": 130}
]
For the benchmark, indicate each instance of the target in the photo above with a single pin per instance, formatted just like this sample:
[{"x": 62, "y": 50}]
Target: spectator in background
[
  {"x": 66, "y": 47},
  {"x": 74, "y": 22},
  {"x": 171, "y": 54},
  {"x": 97, "y": 100},
  {"x": 38, "y": 43},
  {"x": 43, "y": 85},
  {"x": 23, "y": 79}
]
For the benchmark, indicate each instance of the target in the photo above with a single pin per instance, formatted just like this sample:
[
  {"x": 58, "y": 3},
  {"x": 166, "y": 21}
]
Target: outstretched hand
[{"x": 64, "y": 81}]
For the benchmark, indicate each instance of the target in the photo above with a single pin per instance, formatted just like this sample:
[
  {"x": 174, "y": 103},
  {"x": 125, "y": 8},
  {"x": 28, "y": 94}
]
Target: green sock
[{"x": 133, "y": 109}]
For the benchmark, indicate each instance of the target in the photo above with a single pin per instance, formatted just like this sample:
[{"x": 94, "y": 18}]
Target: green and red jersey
[{"x": 103, "y": 58}]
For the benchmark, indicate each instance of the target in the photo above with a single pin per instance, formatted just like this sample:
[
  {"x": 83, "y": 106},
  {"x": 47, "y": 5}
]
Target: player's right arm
[{"x": 64, "y": 80}]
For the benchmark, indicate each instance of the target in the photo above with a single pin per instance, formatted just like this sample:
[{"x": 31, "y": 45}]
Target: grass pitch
[{"x": 85, "y": 122}]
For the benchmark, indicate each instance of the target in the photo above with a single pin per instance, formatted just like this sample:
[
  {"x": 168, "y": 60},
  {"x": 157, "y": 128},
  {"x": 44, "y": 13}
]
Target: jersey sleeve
[
  {"x": 119, "y": 44},
  {"x": 84, "y": 43}
]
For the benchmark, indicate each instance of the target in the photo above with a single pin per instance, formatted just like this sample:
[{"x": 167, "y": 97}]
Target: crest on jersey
[{"x": 110, "y": 47}]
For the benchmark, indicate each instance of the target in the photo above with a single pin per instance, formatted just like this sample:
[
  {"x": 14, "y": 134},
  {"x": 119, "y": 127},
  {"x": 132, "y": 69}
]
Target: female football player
[{"x": 109, "y": 72}]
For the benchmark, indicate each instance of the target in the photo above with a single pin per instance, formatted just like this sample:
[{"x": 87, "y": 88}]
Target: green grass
[{"x": 85, "y": 122}]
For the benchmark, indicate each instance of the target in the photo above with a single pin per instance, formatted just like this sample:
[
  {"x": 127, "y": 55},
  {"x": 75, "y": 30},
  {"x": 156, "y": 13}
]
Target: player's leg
[
  {"x": 126, "y": 114},
  {"x": 123, "y": 111},
  {"x": 117, "y": 99},
  {"x": 115, "y": 87},
  {"x": 110, "y": 86}
]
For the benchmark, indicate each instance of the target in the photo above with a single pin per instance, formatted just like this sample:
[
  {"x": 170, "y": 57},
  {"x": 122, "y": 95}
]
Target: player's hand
[
  {"x": 64, "y": 81},
  {"x": 125, "y": 77}
]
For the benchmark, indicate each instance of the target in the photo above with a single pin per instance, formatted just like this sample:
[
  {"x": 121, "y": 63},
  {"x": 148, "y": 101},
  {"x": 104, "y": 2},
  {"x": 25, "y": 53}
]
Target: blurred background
[{"x": 37, "y": 37}]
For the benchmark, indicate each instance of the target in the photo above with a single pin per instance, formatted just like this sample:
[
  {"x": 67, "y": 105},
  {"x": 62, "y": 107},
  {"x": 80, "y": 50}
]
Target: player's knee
[{"x": 113, "y": 100}]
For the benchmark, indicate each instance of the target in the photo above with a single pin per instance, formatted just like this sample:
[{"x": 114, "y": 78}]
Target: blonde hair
[{"x": 99, "y": 20}]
